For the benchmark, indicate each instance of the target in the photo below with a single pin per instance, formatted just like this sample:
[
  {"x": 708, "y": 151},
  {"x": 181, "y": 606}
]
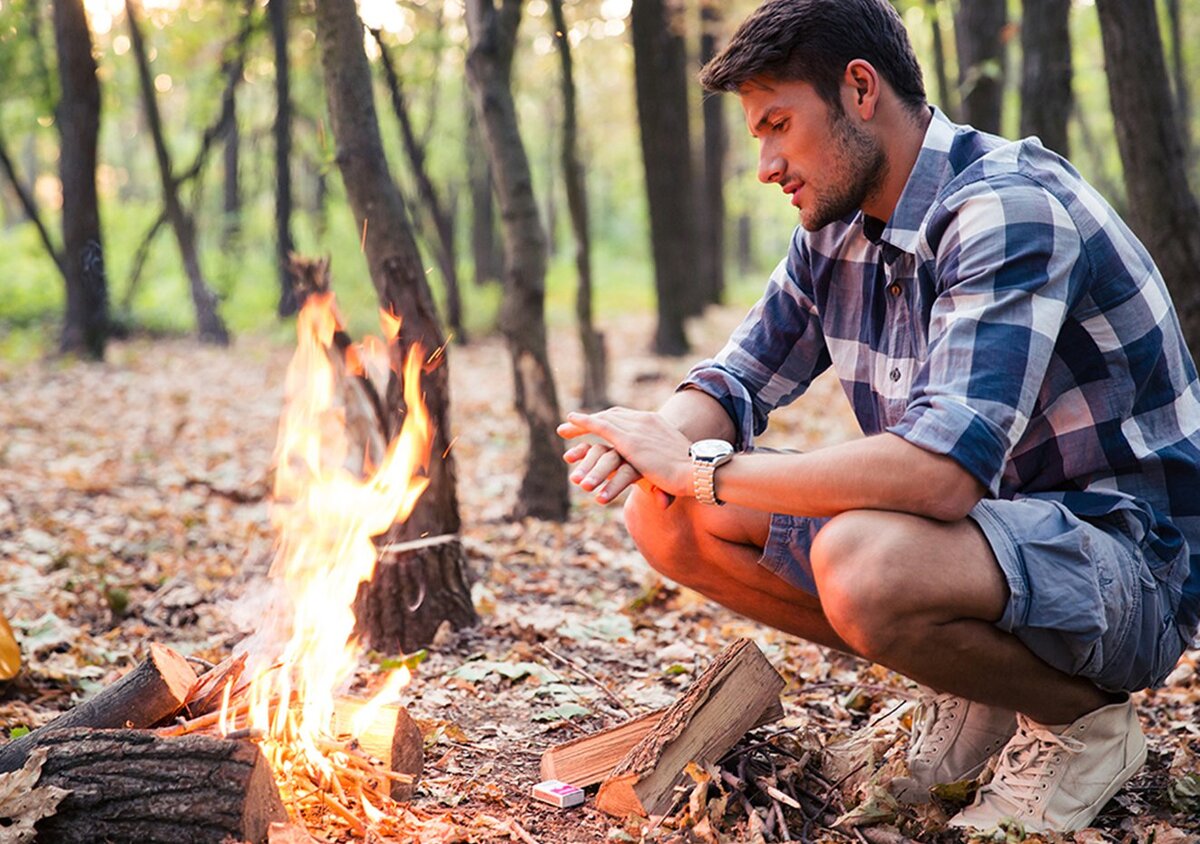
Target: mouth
[{"x": 793, "y": 189}]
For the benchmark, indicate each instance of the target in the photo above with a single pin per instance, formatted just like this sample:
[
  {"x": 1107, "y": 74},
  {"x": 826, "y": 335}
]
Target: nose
[{"x": 771, "y": 165}]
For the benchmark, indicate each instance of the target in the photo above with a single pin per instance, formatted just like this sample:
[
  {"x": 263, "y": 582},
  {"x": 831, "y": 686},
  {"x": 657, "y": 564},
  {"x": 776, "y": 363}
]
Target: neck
[{"x": 901, "y": 134}]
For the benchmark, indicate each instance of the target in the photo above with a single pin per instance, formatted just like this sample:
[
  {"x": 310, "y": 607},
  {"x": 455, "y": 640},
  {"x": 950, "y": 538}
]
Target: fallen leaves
[{"x": 23, "y": 803}]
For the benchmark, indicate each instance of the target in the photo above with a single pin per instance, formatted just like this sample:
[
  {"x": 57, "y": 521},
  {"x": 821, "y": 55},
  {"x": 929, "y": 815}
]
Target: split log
[
  {"x": 588, "y": 760},
  {"x": 132, "y": 785},
  {"x": 393, "y": 738},
  {"x": 701, "y": 726},
  {"x": 153, "y": 691},
  {"x": 206, "y": 693}
]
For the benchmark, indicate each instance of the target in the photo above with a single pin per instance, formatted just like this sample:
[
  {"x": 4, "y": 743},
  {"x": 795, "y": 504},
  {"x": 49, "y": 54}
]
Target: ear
[{"x": 863, "y": 84}]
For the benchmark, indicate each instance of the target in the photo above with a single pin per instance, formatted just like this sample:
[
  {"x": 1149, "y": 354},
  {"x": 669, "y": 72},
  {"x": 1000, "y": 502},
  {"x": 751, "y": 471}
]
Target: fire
[{"x": 326, "y": 516}]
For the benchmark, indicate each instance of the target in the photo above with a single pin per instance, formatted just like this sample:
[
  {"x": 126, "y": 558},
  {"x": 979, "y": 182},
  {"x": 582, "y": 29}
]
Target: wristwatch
[{"x": 706, "y": 456}]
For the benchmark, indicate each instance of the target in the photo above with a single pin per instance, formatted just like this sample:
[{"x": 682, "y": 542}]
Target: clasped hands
[{"x": 636, "y": 447}]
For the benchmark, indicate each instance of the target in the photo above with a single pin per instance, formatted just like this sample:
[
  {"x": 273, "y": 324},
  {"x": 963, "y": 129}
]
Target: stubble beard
[{"x": 858, "y": 175}]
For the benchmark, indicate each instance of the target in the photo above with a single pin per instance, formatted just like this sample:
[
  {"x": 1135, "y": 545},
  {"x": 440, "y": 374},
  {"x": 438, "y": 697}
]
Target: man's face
[{"x": 827, "y": 165}]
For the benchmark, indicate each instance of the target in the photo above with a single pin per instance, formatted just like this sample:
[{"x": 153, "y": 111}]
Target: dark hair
[{"x": 812, "y": 41}]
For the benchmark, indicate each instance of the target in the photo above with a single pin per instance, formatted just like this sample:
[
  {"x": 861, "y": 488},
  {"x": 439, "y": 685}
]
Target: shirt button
[
  {"x": 894, "y": 289},
  {"x": 894, "y": 375}
]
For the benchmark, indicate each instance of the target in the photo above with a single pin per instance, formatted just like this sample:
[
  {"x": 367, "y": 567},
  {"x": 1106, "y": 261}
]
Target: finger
[
  {"x": 606, "y": 465},
  {"x": 569, "y": 430},
  {"x": 576, "y": 453},
  {"x": 584, "y": 466},
  {"x": 662, "y": 499},
  {"x": 621, "y": 479}
]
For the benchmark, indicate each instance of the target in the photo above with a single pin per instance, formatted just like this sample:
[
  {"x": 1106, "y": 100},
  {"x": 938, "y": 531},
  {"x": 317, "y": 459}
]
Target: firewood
[
  {"x": 133, "y": 785},
  {"x": 393, "y": 738},
  {"x": 206, "y": 693},
  {"x": 151, "y": 692},
  {"x": 701, "y": 726},
  {"x": 588, "y": 760}
]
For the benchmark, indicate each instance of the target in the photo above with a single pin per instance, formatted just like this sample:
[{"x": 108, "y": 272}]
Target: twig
[
  {"x": 601, "y": 686},
  {"x": 203, "y": 663}
]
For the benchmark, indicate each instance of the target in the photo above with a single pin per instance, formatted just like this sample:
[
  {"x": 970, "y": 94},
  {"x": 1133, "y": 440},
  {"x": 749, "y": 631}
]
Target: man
[{"x": 1015, "y": 529}]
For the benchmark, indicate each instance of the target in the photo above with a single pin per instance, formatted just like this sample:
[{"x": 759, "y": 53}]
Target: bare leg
[{"x": 715, "y": 550}]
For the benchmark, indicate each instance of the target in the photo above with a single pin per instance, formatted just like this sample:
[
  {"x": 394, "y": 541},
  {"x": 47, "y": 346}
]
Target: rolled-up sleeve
[
  {"x": 1009, "y": 265},
  {"x": 773, "y": 355}
]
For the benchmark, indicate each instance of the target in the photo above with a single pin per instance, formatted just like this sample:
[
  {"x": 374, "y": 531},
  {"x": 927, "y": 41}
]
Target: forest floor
[{"x": 134, "y": 509}]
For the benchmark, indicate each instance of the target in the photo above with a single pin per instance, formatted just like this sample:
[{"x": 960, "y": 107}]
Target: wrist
[{"x": 708, "y": 456}]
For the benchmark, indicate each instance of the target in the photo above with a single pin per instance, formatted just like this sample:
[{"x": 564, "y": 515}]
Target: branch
[{"x": 29, "y": 205}]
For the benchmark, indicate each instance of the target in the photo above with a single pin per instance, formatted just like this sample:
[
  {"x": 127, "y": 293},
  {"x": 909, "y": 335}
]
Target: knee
[
  {"x": 659, "y": 534},
  {"x": 854, "y": 560}
]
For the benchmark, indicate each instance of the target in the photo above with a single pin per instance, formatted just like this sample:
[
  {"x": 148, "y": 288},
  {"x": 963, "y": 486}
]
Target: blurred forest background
[{"x": 237, "y": 84}]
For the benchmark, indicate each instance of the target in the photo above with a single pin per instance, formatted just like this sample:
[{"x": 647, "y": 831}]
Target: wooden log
[
  {"x": 701, "y": 726},
  {"x": 206, "y": 693},
  {"x": 151, "y": 692},
  {"x": 392, "y": 737},
  {"x": 588, "y": 760},
  {"x": 133, "y": 785}
]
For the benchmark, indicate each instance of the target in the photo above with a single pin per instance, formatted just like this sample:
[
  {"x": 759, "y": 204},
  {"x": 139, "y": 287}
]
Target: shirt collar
[{"x": 929, "y": 175}]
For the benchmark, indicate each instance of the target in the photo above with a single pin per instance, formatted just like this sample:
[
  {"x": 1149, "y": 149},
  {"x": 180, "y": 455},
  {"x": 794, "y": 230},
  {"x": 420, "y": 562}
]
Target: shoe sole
[{"x": 1083, "y": 818}]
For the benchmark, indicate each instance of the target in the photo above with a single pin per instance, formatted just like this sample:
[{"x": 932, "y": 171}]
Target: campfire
[{"x": 268, "y": 733}]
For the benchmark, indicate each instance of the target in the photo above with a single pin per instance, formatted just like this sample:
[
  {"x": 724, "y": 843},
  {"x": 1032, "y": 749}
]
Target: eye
[{"x": 779, "y": 126}]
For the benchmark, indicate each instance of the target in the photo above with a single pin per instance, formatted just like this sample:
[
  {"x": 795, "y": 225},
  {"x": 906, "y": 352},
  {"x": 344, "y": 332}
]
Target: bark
[
  {"x": 154, "y": 690},
  {"x": 386, "y": 618},
  {"x": 1162, "y": 209},
  {"x": 745, "y": 243},
  {"x": 85, "y": 324},
  {"x": 232, "y": 204},
  {"x": 211, "y": 327},
  {"x": 660, "y": 71},
  {"x": 712, "y": 206},
  {"x": 427, "y": 194},
  {"x": 595, "y": 363},
  {"x": 277, "y": 10},
  {"x": 979, "y": 33},
  {"x": 129, "y": 785},
  {"x": 485, "y": 251},
  {"x": 1183, "y": 98},
  {"x": 941, "y": 78},
  {"x": 492, "y": 33},
  {"x": 1046, "y": 72}
]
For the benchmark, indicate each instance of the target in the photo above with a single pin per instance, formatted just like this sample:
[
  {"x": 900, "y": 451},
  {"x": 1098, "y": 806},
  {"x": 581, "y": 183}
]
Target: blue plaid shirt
[{"x": 1006, "y": 317}]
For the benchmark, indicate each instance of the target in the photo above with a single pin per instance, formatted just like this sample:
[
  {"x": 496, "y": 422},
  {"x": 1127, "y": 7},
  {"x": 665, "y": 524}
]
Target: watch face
[{"x": 710, "y": 449}]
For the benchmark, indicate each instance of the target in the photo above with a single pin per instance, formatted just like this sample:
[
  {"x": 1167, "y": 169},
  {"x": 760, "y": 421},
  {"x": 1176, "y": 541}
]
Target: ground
[{"x": 134, "y": 508}]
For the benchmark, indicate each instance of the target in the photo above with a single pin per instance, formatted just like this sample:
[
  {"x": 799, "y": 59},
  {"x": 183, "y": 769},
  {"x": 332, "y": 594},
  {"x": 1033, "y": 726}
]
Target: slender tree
[
  {"x": 492, "y": 33},
  {"x": 941, "y": 77},
  {"x": 595, "y": 363},
  {"x": 485, "y": 251},
  {"x": 422, "y": 581},
  {"x": 209, "y": 323},
  {"x": 1046, "y": 72},
  {"x": 232, "y": 193},
  {"x": 1183, "y": 94},
  {"x": 428, "y": 195},
  {"x": 277, "y": 10},
  {"x": 979, "y": 28},
  {"x": 1162, "y": 209},
  {"x": 711, "y": 216},
  {"x": 660, "y": 72},
  {"x": 86, "y": 325},
  {"x": 29, "y": 205}
]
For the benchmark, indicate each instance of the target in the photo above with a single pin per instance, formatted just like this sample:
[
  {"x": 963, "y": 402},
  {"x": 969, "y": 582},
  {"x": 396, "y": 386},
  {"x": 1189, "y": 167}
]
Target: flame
[{"x": 326, "y": 517}]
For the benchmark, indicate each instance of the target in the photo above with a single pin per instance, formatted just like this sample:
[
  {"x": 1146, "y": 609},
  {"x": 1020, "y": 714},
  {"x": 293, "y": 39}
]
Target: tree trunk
[
  {"x": 232, "y": 206},
  {"x": 443, "y": 223},
  {"x": 492, "y": 34},
  {"x": 278, "y": 12},
  {"x": 485, "y": 251},
  {"x": 942, "y": 79},
  {"x": 1162, "y": 210},
  {"x": 209, "y": 323},
  {"x": 660, "y": 71},
  {"x": 85, "y": 326},
  {"x": 1183, "y": 94},
  {"x": 712, "y": 206},
  {"x": 979, "y": 34},
  {"x": 435, "y": 583},
  {"x": 1046, "y": 72},
  {"x": 595, "y": 363}
]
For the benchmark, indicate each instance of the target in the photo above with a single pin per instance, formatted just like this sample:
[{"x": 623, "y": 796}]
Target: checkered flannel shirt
[{"x": 1006, "y": 317}]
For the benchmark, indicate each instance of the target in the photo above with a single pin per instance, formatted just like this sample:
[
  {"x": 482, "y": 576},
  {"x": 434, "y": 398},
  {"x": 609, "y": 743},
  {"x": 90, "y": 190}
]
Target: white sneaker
[
  {"x": 1059, "y": 782},
  {"x": 953, "y": 738}
]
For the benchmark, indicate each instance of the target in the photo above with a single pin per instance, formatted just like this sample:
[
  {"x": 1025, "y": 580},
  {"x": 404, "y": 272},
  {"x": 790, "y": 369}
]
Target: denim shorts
[{"x": 1084, "y": 596}]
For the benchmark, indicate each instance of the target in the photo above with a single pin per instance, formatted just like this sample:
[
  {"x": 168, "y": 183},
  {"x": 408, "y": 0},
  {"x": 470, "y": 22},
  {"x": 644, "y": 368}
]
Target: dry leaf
[{"x": 22, "y": 804}]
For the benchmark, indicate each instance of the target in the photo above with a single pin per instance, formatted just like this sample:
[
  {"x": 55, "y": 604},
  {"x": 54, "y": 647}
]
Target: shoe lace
[
  {"x": 934, "y": 716},
  {"x": 1029, "y": 762}
]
